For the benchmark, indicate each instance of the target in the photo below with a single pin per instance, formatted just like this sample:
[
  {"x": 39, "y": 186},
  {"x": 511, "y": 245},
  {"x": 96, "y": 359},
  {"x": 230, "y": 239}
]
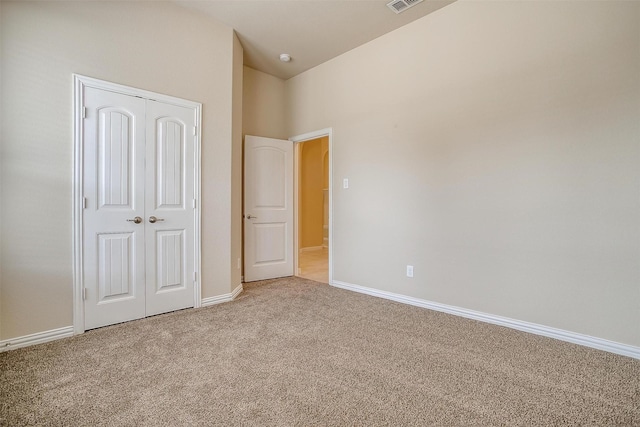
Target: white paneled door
[
  {"x": 169, "y": 205},
  {"x": 139, "y": 199},
  {"x": 268, "y": 208}
]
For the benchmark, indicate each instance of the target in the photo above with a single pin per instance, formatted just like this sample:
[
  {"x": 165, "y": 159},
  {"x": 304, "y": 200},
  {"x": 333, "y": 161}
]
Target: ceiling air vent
[{"x": 401, "y": 5}]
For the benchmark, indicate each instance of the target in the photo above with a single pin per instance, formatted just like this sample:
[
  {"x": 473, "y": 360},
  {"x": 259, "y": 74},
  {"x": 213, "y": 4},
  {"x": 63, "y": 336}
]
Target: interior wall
[
  {"x": 311, "y": 193},
  {"x": 494, "y": 146},
  {"x": 236, "y": 181},
  {"x": 2, "y": 137},
  {"x": 156, "y": 46},
  {"x": 263, "y": 107}
]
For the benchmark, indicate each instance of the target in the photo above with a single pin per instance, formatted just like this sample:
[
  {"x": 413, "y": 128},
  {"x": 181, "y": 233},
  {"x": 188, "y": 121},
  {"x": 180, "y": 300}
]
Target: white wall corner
[
  {"x": 219, "y": 299},
  {"x": 533, "y": 328}
]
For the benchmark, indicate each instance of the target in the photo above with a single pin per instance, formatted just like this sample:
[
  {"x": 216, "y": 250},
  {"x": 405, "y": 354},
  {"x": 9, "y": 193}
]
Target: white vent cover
[{"x": 401, "y": 5}]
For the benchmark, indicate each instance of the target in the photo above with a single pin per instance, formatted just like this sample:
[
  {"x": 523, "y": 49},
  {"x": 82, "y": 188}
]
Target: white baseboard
[
  {"x": 55, "y": 334},
  {"x": 37, "y": 338},
  {"x": 533, "y": 328},
  {"x": 219, "y": 299},
  {"x": 311, "y": 248}
]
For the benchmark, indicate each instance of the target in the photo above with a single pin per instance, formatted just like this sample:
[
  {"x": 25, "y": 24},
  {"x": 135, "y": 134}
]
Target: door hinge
[
  {"x": 84, "y": 203},
  {"x": 195, "y": 204},
  {"x": 195, "y": 130},
  {"x": 84, "y": 294},
  {"x": 195, "y": 276},
  {"x": 84, "y": 112}
]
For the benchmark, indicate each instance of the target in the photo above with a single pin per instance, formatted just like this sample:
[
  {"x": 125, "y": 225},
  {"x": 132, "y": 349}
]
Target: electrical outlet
[{"x": 409, "y": 270}]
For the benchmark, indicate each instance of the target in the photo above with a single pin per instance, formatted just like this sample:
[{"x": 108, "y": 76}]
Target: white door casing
[
  {"x": 136, "y": 156},
  {"x": 268, "y": 208}
]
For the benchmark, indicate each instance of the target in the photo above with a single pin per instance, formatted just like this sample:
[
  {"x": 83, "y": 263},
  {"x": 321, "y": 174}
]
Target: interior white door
[
  {"x": 268, "y": 208},
  {"x": 139, "y": 184},
  {"x": 170, "y": 204},
  {"x": 113, "y": 224}
]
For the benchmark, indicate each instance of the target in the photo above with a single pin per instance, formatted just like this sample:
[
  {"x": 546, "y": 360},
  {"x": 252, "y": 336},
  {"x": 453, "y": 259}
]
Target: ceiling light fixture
[{"x": 285, "y": 57}]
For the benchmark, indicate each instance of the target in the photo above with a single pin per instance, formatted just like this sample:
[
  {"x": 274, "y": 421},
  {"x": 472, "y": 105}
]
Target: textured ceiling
[{"x": 311, "y": 31}]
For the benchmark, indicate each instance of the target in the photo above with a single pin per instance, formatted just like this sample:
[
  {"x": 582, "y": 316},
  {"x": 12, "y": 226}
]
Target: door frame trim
[
  {"x": 81, "y": 82},
  {"x": 328, "y": 132}
]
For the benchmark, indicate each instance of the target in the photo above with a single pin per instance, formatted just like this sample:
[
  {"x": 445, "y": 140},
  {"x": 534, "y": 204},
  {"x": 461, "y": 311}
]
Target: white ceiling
[{"x": 311, "y": 31}]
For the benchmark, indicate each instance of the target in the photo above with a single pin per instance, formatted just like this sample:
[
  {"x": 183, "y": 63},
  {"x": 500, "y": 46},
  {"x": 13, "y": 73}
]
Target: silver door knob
[
  {"x": 136, "y": 220},
  {"x": 251, "y": 217},
  {"x": 153, "y": 219}
]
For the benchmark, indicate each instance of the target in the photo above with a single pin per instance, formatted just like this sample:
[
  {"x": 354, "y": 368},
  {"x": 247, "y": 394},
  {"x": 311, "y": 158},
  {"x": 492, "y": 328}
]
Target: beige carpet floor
[{"x": 293, "y": 352}]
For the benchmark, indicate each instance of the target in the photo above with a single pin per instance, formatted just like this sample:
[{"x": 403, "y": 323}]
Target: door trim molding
[
  {"x": 81, "y": 82},
  {"x": 328, "y": 132}
]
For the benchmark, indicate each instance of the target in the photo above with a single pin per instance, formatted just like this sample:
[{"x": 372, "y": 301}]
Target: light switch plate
[{"x": 345, "y": 183}]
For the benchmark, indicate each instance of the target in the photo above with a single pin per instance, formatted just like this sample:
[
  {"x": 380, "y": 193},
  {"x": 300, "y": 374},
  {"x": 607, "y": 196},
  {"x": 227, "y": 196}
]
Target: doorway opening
[
  {"x": 273, "y": 207},
  {"x": 313, "y": 210}
]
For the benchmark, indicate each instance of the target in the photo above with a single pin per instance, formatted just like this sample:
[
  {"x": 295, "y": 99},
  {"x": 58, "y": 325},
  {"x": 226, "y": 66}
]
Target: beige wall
[
  {"x": 157, "y": 46},
  {"x": 495, "y": 146},
  {"x": 236, "y": 181},
  {"x": 263, "y": 108},
  {"x": 1, "y": 151}
]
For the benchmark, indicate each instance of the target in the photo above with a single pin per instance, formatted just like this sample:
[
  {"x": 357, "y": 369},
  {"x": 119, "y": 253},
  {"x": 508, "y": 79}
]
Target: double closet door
[{"x": 138, "y": 232}]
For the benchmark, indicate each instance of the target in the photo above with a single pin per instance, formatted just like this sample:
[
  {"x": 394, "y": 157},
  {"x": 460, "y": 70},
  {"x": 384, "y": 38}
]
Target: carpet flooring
[{"x": 293, "y": 352}]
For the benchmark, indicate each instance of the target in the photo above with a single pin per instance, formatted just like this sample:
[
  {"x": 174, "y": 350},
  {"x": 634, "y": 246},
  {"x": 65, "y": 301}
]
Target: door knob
[
  {"x": 251, "y": 217},
  {"x": 136, "y": 220},
  {"x": 153, "y": 219}
]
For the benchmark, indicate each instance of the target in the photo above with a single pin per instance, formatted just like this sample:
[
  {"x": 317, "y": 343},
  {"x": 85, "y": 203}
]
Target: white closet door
[
  {"x": 139, "y": 180},
  {"x": 170, "y": 205},
  {"x": 113, "y": 225}
]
